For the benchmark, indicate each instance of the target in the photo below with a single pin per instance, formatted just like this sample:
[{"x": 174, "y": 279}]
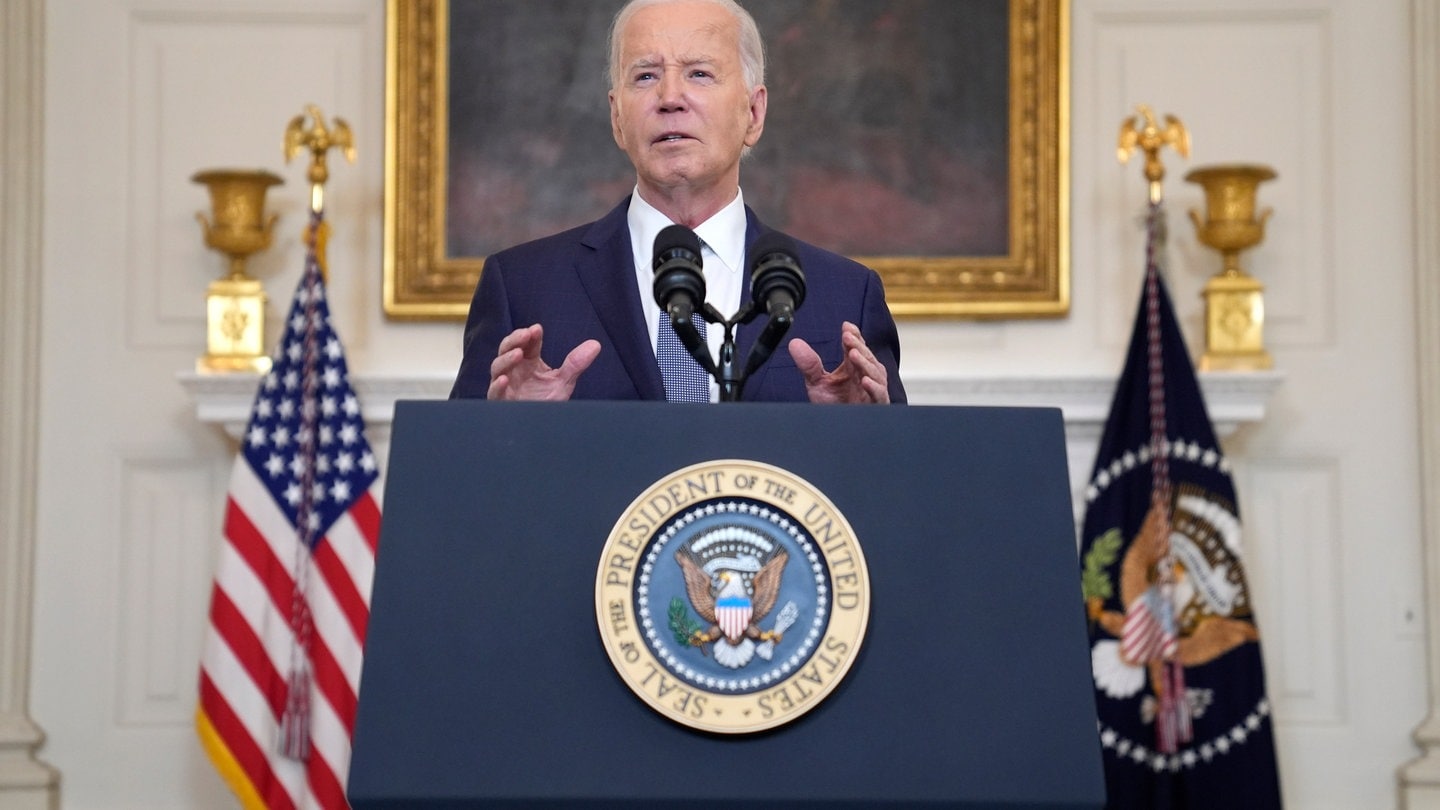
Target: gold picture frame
[{"x": 1028, "y": 278}]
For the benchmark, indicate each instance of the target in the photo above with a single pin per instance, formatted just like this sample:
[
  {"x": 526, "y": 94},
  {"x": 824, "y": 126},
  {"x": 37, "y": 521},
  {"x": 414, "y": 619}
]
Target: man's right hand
[{"x": 519, "y": 373}]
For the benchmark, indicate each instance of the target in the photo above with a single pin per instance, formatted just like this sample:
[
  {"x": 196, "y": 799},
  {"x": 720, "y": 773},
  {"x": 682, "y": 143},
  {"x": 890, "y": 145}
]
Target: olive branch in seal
[
  {"x": 1094, "y": 584},
  {"x": 680, "y": 623}
]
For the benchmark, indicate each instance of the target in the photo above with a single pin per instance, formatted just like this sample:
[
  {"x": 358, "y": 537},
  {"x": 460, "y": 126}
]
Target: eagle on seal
[{"x": 732, "y": 597}]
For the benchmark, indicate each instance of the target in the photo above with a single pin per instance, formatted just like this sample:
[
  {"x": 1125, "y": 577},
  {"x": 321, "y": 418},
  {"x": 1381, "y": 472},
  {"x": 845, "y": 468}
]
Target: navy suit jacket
[{"x": 580, "y": 284}]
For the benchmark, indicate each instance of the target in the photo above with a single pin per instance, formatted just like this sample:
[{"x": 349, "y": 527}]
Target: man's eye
[
  {"x": 700, "y": 74},
  {"x": 644, "y": 77}
]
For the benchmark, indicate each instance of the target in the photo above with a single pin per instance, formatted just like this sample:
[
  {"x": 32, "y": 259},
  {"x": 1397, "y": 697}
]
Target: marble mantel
[{"x": 1233, "y": 398}]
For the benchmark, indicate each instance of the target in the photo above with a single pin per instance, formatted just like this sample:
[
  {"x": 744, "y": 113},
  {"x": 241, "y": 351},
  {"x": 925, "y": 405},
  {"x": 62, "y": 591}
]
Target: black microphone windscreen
[
  {"x": 775, "y": 268},
  {"x": 679, "y": 279},
  {"x": 672, "y": 237}
]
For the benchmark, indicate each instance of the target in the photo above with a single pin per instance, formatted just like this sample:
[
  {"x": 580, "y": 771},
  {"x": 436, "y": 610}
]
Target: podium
[{"x": 486, "y": 681}]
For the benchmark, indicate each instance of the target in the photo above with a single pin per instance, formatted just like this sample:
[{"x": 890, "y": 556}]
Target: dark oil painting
[{"x": 887, "y": 131}]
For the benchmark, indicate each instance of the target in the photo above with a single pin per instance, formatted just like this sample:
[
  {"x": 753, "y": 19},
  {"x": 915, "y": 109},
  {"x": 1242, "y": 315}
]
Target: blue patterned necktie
[{"x": 685, "y": 380}]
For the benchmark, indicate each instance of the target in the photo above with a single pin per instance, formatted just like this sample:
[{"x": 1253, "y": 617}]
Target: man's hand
[
  {"x": 518, "y": 373},
  {"x": 858, "y": 378}
]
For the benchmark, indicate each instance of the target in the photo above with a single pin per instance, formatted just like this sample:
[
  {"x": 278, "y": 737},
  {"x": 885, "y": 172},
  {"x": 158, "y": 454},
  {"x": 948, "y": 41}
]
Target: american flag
[
  {"x": 1149, "y": 631},
  {"x": 280, "y": 670}
]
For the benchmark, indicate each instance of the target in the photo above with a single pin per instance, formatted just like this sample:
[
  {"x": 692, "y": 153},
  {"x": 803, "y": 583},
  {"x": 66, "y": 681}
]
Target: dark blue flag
[{"x": 1179, "y": 684}]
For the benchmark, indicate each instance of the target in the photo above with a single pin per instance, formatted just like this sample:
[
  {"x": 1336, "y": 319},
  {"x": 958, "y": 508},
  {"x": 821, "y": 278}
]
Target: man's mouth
[{"x": 671, "y": 137}]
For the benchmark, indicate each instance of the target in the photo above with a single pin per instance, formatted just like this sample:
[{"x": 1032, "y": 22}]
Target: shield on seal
[{"x": 732, "y": 610}]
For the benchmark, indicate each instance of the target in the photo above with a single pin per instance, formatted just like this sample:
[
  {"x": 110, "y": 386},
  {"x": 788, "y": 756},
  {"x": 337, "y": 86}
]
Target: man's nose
[{"x": 671, "y": 89}]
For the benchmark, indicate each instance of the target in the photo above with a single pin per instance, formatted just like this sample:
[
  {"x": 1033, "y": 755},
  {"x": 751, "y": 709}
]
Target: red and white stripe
[
  {"x": 1144, "y": 637},
  {"x": 247, "y": 654},
  {"x": 733, "y": 621}
]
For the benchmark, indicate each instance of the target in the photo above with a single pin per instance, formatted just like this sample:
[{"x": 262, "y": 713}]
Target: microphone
[
  {"x": 680, "y": 288},
  {"x": 778, "y": 285},
  {"x": 679, "y": 282},
  {"x": 776, "y": 281}
]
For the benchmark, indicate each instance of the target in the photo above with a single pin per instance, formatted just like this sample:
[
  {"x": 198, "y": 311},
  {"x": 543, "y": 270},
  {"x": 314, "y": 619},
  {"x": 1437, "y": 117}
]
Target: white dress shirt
[{"x": 722, "y": 256}]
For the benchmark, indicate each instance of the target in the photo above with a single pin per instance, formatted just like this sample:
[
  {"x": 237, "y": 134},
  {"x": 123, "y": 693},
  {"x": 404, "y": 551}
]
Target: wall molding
[
  {"x": 26, "y": 783},
  {"x": 1420, "y": 778}
]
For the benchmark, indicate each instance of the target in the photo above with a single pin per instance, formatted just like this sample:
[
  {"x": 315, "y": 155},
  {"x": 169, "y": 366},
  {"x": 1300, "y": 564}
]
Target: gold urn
[
  {"x": 235, "y": 304},
  {"x": 1234, "y": 301}
]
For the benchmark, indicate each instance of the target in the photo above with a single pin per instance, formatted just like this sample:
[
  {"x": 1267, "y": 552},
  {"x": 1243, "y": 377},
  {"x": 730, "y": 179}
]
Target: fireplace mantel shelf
[{"x": 1233, "y": 398}]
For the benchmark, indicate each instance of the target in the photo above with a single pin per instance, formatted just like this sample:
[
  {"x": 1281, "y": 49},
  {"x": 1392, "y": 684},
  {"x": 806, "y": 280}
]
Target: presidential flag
[
  {"x": 1184, "y": 720},
  {"x": 280, "y": 669}
]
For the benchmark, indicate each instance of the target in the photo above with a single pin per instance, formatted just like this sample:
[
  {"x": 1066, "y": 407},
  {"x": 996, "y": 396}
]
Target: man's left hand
[{"x": 858, "y": 378}]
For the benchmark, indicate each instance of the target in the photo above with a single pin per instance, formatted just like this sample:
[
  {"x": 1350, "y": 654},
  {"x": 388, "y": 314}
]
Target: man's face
[{"x": 681, "y": 109}]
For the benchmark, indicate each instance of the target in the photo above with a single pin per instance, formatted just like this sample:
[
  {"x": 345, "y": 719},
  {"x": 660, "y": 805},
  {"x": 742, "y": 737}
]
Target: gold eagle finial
[
  {"x": 1144, "y": 133},
  {"x": 319, "y": 139}
]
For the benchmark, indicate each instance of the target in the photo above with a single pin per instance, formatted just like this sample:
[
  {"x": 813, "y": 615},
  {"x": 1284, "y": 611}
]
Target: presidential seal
[{"x": 732, "y": 596}]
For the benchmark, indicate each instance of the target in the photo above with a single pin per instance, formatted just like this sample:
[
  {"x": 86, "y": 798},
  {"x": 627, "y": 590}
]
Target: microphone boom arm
[
  {"x": 765, "y": 344},
  {"x": 690, "y": 336}
]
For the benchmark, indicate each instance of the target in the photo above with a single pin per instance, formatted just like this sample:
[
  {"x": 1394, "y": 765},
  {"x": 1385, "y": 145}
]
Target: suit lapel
[
  {"x": 745, "y": 334},
  {"x": 607, "y": 271}
]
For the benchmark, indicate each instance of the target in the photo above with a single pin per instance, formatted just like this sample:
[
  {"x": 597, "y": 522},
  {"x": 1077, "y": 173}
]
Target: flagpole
[
  {"x": 294, "y": 741},
  {"x": 1173, "y": 721}
]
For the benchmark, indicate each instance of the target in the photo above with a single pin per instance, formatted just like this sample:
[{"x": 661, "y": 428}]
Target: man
[{"x": 687, "y": 100}]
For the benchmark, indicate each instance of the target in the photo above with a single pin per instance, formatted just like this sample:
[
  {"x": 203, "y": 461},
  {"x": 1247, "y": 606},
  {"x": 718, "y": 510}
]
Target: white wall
[{"x": 139, "y": 95}]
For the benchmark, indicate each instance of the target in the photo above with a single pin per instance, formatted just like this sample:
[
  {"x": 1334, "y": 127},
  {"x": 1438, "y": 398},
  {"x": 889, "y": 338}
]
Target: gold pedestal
[
  {"x": 1234, "y": 301},
  {"x": 235, "y": 305},
  {"x": 235, "y": 327},
  {"x": 1234, "y": 325}
]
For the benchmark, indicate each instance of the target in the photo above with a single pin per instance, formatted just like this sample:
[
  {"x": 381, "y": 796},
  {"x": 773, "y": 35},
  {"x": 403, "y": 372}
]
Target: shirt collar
[{"x": 723, "y": 233}]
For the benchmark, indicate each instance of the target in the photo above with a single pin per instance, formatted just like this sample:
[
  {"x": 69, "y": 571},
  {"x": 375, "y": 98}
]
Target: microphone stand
[{"x": 728, "y": 373}]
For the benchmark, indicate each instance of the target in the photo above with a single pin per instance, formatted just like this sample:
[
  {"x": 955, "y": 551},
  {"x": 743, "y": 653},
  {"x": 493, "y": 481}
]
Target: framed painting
[{"x": 927, "y": 139}]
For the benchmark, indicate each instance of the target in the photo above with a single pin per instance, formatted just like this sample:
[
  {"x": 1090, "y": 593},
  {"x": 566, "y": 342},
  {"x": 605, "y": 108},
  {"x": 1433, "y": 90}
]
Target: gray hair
[{"x": 752, "y": 50}]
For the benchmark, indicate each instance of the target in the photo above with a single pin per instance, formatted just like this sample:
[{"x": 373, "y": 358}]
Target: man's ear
[
  {"x": 759, "y": 101},
  {"x": 615, "y": 121}
]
